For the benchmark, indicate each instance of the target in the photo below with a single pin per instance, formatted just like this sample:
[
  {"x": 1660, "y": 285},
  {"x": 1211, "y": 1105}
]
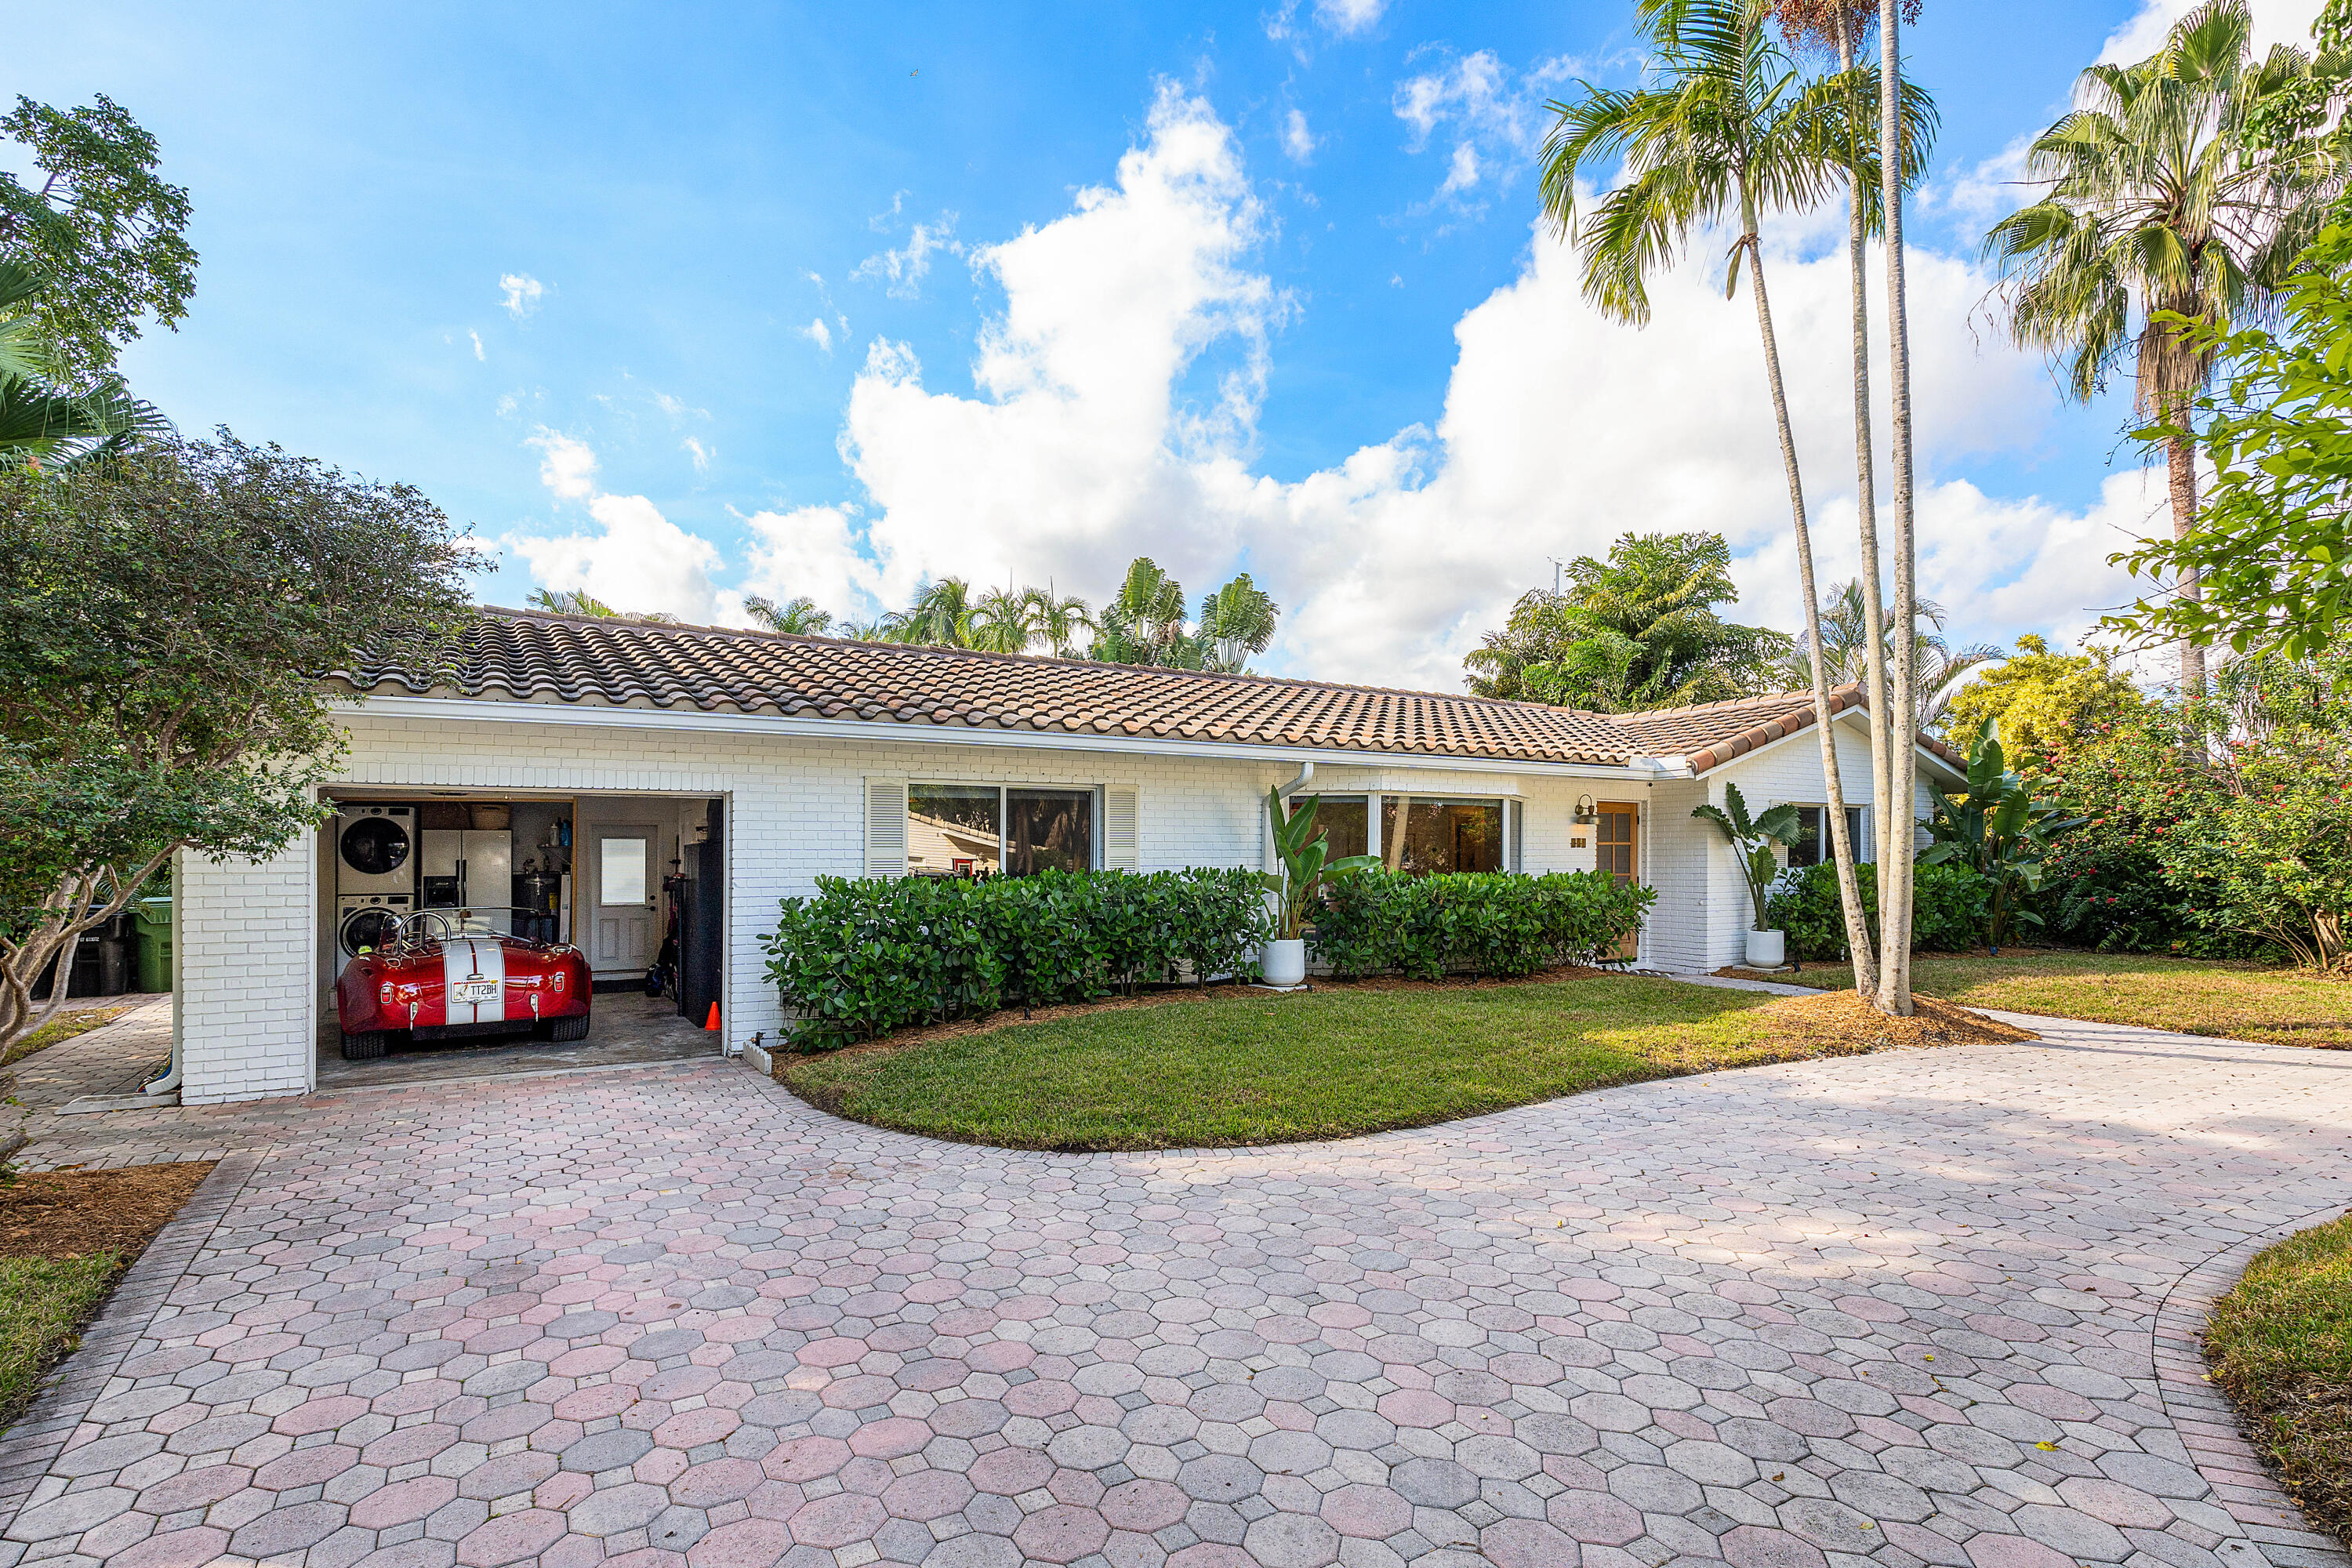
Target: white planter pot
[
  {"x": 1285, "y": 963},
  {"x": 1767, "y": 948}
]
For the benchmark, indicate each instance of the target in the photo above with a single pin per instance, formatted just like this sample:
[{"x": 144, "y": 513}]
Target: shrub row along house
[{"x": 638, "y": 784}]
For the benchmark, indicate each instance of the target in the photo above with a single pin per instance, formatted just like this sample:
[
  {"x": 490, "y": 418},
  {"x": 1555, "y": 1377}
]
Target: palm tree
[
  {"x": 42, "y": 420},
  {"x": 1144, "y": 621},
  {"x": 1060, "y": 620},
  {"x": 1723, "y": 127},
  {"x": 796, "y": 616},
  {"x": 1003, "y": 620},
  {"x": 1236, "y": 621},
  {"x": 1846, "y": 653},
  {"x": 569, "y": 602},
  {"x": 2171, "y": 193},
  {"x": 941, "y": 616}
]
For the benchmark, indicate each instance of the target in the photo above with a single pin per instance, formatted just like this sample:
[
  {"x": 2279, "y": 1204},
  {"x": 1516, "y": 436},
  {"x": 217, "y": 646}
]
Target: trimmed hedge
[
  {"x": 1948, "y": 908},
  {"x": 1476, "y": 923},
  {"x": 863, "y": 957}
]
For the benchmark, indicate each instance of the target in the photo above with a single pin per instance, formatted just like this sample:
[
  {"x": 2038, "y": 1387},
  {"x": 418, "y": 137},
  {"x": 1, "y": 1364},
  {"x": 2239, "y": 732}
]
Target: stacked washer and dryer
[{"x": 375, "y": 872}]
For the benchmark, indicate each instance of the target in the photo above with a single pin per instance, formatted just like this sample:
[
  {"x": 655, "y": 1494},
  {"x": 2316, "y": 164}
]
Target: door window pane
[
  {"x": 1613, "y": 841},
  {"x": 951, "y": 830},
  {"x": 1049, "y": 830},
  {"x": 1444, "y": 836},
  {"x": 621, "y": 877},
  {"x": 1339, "y": 823}
]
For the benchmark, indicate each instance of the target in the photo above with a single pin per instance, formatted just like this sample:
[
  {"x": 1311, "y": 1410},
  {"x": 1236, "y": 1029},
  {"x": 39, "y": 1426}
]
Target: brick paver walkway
[{"x": 1923, "y": 1307}]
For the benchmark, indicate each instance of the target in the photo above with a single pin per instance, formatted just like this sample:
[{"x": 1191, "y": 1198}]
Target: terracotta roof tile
[{"x": 514, "y": 656}]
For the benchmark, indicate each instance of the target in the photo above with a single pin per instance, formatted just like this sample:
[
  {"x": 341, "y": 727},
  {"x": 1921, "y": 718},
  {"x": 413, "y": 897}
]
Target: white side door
[{"x": 621, "y": 915}]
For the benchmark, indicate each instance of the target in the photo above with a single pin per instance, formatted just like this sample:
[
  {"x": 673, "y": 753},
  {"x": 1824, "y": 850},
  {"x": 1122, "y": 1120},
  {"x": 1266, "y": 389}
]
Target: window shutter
[
  {"x": 1121, "y": 851},
  {"x": 886, "y": 828}
]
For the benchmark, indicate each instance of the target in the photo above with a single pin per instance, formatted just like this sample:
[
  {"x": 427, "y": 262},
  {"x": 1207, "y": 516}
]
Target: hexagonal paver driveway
[{"x": 1902, "y": 1309}]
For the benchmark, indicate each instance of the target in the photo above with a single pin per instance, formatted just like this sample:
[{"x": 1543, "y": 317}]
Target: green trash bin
[{"x": 153, "y": 917}]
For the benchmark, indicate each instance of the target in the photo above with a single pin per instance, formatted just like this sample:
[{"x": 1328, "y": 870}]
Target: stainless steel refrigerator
[{"x": 470, "y": 869}]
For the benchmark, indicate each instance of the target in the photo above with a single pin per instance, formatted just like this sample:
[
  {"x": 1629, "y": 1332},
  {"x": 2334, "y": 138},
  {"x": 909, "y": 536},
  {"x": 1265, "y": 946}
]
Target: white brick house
[{"x": 814, "y": 752}]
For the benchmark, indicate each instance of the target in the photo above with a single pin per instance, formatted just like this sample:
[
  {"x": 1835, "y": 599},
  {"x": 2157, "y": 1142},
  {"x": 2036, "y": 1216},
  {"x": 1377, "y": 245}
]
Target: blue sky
[{"x": 671, "y": 302}]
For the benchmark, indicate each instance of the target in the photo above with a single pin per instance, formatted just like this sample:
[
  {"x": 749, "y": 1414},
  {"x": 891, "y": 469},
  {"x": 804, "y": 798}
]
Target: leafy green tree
[
  {"x": 2045, "y": 705},
  {"x": 1144, "y": 622},
  {"x": 97, "y": 220},
  {"x": 2271, "y": 548},
  {"x": 1937, "y": 667},
  {"x": 1724, "y": 126},
  {"x": 1005, "y": 620},
  {"x": 2178, "y": 192},
  {"x": 42, "y": 421},
  {"x": 796, "y": 616},
  {"x": 1637, "y": 630},
  {"x": 164, "y": 624}
]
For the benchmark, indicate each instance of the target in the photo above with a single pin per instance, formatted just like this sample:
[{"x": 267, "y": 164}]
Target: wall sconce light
[{"x": 1584, "y": 812}]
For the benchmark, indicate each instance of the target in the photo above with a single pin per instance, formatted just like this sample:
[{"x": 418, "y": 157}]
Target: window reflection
[
  {"x": 1049, "y": 830},
  {"x": 951, "y": 830},
  {"x": 1442, "y": 835}
]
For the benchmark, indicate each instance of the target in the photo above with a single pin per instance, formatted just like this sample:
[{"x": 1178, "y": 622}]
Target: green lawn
[
  {"x": 1257, "y": 1067},
  {"x": 44, "y": 1303},
  {"x": 2240, "y": 1001},
  {"x": 2280, "y": 1343}
]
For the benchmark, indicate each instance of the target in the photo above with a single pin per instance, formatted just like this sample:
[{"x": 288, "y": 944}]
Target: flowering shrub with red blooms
[{"x": 2108, "y": 884}]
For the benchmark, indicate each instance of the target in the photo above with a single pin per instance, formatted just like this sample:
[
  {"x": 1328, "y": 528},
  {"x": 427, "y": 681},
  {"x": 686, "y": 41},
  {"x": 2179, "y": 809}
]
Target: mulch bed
[
  {"x": 1843, "y": 1022},
  {"x": 1008, "y": 1017},
  {"x": 71, "y": 1214}
]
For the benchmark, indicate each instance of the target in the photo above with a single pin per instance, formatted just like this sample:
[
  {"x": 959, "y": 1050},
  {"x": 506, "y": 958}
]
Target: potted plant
[
  {"x": 1752, "y": 838},
  {"x": 1305, "y": 869}
]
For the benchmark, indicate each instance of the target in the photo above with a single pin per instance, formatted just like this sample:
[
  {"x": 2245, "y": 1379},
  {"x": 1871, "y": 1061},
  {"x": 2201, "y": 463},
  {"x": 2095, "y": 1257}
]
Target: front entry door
[
  {"x": 620, "y": 917},
  {"x": 1617, "y": 850}
]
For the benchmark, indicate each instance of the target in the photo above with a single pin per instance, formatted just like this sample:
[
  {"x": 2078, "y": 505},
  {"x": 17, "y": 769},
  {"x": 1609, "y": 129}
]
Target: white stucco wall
[{"x": 795, "y": 810}]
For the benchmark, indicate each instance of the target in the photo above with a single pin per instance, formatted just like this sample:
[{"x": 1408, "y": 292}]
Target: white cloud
[
  {"x": 638, "y": 560},
  {"x": 904, "y": 268},
  {"x": 1461, "y": 172},
  {"x": 677, "y": 409},
  {"x": 522, "y": 294},
  {"x": 1559, "y": 431},
  {"x": 1297, "y": 143},
  {"x": 2275, "y": 22},
  {"x": 566, "y": 466},
  {"x": 817, "y": 333},
  {"x": 1349, "y": 17},
  {"x": 1079, "y": 452},
  {"x": 1493, "y": 115},
  {"x": 701, "y": 453},
  {"x": 1342, "y": 18},
  {"x": 813, "y": 550},
  {"x": 478, "y": 343},
  {"x": 1972, "y": 200}
]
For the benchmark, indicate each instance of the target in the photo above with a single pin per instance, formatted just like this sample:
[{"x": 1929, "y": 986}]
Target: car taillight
[
  {"x": 558, "y": 980},
  {"x": 383, "y": 991}
]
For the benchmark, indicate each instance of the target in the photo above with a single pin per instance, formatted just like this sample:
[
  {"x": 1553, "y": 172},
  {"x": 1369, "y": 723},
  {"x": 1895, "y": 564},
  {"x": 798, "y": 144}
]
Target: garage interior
[{"x": 636, "y": 882}]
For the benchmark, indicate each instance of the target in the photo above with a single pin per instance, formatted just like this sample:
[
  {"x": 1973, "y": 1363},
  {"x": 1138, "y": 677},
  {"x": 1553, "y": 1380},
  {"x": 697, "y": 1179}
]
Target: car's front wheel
[{"x": 562, "y": 1029}]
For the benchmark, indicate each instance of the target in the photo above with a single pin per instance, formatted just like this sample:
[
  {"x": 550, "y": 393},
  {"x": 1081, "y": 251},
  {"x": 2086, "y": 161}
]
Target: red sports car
[{"x": 447, "y": 974}]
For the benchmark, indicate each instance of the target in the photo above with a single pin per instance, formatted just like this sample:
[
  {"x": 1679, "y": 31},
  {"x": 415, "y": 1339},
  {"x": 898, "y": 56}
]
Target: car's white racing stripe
[{"x": 469, "y": 962}]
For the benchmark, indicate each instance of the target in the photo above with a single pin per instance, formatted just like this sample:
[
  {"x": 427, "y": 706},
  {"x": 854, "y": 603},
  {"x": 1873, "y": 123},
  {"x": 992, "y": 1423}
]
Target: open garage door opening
[{"x": 468, "y": 933}]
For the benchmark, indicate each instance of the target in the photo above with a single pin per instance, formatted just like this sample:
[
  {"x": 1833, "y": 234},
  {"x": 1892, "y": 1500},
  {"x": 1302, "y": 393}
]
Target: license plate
[{"x": 474, "y": 991}]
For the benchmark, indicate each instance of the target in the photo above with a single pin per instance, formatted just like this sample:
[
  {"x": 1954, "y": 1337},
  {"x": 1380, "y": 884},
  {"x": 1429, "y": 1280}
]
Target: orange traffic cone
[{"x": 712, "y": 1021}]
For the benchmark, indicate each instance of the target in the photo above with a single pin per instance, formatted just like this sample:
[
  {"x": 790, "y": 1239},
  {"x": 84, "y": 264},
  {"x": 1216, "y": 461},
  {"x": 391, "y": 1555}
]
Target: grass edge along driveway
[
  {"x": 2187, "y": 995},
  {"x": 1257, "y": 1067},
  {"x": 2281, "y": 1345}
]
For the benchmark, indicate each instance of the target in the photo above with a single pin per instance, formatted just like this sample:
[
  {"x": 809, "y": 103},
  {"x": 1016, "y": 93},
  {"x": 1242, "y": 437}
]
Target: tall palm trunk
[
  {"x": 1882, "y": 728},
  {"x": 2180, "y": 476},
  {"x": 1857, "y": 929},
  {"x": 1895, "y": 873}
]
